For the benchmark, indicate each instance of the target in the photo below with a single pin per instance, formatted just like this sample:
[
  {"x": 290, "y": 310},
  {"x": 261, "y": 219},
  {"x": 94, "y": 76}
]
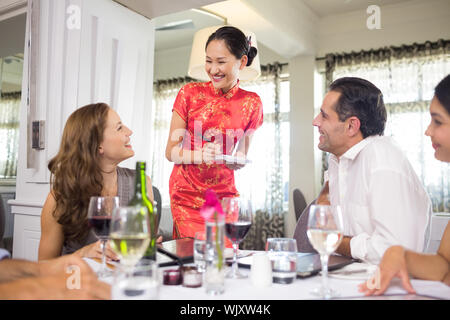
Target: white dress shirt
[{"x": 382, "y": 199}]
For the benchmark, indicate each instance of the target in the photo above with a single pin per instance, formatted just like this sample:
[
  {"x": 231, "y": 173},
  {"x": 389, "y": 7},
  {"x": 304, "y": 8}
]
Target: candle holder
[
  {"x": 192, "y": 278},
  {"x": 172, "y": 277}
]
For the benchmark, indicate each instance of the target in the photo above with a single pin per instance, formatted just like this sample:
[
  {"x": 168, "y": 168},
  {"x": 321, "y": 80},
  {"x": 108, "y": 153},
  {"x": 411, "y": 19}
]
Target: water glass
[
  {"x": 199, "y": 250},
  {"x": 140, "y": 283},
  {"x": 283, "y": 255}
]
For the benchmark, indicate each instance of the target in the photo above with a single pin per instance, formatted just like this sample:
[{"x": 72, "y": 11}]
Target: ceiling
[
  {"x": 167, "y": 39},
  {"x": 287, "y": 27},
  {"x": 323, "y": 8},
  {"x": 156, "y": 8}
]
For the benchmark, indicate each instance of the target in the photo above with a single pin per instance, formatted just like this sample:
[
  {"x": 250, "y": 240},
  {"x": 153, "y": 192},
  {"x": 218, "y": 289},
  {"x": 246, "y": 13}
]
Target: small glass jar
[
  {"x": 172, "y": 277},
  {"x": 192, "y": 278}
]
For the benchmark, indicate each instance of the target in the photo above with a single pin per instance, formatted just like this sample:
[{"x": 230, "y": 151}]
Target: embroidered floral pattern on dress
[{"x": 221, "y": 117}]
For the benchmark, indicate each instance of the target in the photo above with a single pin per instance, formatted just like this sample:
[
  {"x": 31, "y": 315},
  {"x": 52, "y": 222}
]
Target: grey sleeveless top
[{"x": 125, "y": 191}]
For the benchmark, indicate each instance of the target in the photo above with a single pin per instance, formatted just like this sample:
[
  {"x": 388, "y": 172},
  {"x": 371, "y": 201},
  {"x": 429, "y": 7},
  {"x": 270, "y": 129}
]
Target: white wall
[
  {"x": 173, "y": 63},
  {"x": 402, "y": 23},
  {"x": 12, "y": 35}
]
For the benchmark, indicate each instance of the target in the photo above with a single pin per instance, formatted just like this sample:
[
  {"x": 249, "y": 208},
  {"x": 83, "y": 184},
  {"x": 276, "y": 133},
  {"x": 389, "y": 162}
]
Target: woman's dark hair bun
[
  {"x": 252, "y": 52},
  {"x": 236, "y": 41}
]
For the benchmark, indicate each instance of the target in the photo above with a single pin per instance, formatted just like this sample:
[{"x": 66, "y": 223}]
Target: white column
[{"x": 301, "y": 164}]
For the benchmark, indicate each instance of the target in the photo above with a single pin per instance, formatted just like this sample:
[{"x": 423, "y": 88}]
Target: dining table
[{"x": 300, "y": 289}]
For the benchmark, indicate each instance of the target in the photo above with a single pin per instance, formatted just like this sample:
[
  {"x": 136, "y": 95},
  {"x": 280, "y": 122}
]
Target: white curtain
[
  {"x": 9, "y": 134},
  {"x": 406, "y": 76}
]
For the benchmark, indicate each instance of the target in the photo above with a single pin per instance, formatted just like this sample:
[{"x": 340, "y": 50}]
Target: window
[
  {"x": 10, "y": 86},
  {"x": 407, "y": 80},
  {"x": 269, "y": 150}
]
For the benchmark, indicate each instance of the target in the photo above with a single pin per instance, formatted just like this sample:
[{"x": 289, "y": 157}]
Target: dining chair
[
  {"x": 299, "y": 203},
  {"x": 2, "y": 221},
  {"x": 300, "y": 235},
  {"x": 164, "y": 229},
  {"x": 157, "y": 197}
]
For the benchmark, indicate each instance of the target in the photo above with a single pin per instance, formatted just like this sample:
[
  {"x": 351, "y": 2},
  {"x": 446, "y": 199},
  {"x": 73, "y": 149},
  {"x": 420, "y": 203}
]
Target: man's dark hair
[
  {"x": 362, "y": 99},
  {"x": 442, "y": 92}
]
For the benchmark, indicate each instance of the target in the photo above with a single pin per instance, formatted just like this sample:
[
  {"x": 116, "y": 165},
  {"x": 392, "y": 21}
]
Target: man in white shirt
[{"x": 382, "y": 200}]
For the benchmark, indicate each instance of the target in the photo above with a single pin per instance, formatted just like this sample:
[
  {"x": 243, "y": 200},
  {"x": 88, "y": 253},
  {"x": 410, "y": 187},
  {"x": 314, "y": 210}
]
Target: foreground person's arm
[{"x": 401, "y": 263}]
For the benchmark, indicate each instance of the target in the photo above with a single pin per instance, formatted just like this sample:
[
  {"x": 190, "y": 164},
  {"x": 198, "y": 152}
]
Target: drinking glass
[
  {"x": 99, "y": 217},
  {"x": 199, "y": 250},
  {"x": 130, "y": 234},
  {"x": 283, "y": 256},
  {"x": 141, "y": 282},
  {"x": 325, "y": 232},
  {"x": 238, "y": 220}
]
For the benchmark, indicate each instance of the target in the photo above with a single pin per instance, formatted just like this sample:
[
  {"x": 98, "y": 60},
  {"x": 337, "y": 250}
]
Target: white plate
[
  {"x": 231, "y": 159},
  {"x": 354, "y": 271}
]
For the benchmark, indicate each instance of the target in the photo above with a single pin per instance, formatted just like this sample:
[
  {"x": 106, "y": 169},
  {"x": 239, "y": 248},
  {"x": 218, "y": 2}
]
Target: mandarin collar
[{"x": 227, "y": 95}]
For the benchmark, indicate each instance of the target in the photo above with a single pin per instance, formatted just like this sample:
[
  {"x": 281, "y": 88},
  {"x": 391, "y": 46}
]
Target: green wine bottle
[{"x": 141, "y": 198}]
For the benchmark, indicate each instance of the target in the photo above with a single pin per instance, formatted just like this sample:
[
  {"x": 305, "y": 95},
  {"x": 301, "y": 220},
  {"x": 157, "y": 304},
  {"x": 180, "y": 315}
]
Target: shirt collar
[
  {"x": 227, "y": 95},
  {"x": 356, "y": 149},
  {"x": 351, "y": 153}
]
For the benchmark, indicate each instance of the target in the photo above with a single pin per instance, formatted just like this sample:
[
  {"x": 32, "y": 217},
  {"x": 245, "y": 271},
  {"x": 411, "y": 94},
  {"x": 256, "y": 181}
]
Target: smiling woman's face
[
  {"x": 116, "y": 145},
  {"x": 222, "y": 66},
  {"x": 439, "y": 130}
]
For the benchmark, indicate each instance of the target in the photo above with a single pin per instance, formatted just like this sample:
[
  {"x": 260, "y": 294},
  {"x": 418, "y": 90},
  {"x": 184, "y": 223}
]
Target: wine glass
[
  {"x": 130, "y": 234},
  {"x": 325, "y": 232},
  {"x": 238, "y": 220},
  {"x": 99, "y": 217}
]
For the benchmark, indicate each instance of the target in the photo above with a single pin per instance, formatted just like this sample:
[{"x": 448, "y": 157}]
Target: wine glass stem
[
  {"x": 103, "y": 244},
  {"x": 324, "y": 261},
  {"x": 234, "y": 266}
]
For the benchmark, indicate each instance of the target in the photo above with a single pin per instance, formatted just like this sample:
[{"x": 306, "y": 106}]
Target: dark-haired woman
[
  {"x": 94, "y": 142},
  {"x": 402, "y": 263},
  {"x": 209, "y": 120}
]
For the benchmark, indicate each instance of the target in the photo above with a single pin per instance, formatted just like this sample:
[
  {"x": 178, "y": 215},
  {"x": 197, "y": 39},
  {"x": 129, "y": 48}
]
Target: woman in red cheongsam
[{"x": 209, "y": 120}]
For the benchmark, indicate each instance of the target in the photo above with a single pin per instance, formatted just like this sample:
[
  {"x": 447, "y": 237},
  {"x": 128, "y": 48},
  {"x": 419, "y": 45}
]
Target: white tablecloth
[{"x": 242, "y": 289}]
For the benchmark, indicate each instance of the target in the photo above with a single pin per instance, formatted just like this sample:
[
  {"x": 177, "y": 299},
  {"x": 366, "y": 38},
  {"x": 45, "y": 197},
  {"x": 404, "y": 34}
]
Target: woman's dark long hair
[
  {"x": 236, "y": 41},
  {"x": 442, "y": 92},
  {"x": 75, "y": 171}
]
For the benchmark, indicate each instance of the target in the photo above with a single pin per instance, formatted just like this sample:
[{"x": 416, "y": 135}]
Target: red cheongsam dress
[{"x": 212, "y": 116}]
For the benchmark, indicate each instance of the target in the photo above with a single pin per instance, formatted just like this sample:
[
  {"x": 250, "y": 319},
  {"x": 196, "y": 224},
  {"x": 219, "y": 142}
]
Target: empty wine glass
[
  {"x": 99, "y": 217},
  {"x": 325, "y": 232},
  {"x": 130, "y": 234},
  {"x": 238, "y": 220}
]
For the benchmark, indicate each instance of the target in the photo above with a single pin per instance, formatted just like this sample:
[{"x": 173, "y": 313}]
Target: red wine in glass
[
  {"x": 236, "y": 231},
  {"x": 100, "y": 225}
]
